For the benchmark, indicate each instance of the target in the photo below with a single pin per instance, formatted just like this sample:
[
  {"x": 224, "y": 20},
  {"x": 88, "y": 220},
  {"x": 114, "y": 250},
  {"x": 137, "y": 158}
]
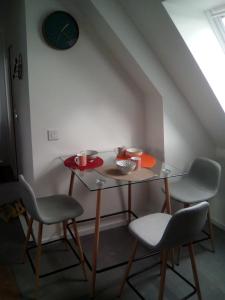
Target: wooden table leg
[
  {"x": 129, "y": 202},
  {"x": 71, "y": 183},
  {"x": 96, "y": 241}
]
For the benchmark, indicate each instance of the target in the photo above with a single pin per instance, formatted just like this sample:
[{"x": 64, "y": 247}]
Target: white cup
[
  {"x": 137, "y": 161},
  {"x": 81, "y": 159}
]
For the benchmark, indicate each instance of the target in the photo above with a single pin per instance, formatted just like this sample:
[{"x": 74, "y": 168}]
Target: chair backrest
[
  {"x": 206, "y": 172},
  {"x": 29, "y": 199},
  {"x": 185, "y": 226}
]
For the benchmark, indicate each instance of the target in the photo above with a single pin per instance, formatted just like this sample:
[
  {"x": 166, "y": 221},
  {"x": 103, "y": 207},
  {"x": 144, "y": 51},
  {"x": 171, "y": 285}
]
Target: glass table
[{"x": 96, "y": 181}]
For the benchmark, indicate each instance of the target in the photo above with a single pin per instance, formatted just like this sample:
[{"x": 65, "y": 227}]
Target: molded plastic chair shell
[
  {"x": 201, "y": 183},
  {"x": 49, "y": 210},
  {"x": 170, "y": 231}
]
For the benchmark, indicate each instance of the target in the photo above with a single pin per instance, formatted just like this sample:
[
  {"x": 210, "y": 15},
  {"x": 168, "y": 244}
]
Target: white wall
[{"x": 83, "y": 93}]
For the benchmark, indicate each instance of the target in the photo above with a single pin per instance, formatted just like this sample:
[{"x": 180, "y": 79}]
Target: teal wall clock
[{"x": 60, "y": 30}]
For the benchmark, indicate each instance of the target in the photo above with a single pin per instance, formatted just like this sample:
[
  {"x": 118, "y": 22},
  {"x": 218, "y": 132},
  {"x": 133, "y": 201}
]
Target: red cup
[{"x": 81, "y": 159}]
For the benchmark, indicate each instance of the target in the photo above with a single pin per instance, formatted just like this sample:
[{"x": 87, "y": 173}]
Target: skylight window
[
  {"x": 223, "y": 20},
  {"x": 216, "y": 17}
]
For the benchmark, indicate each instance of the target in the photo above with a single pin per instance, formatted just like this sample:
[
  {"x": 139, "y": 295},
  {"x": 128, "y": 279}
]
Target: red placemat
[
  {"x": 147, "y": 160},
  {"x": 91, "y": 163}
]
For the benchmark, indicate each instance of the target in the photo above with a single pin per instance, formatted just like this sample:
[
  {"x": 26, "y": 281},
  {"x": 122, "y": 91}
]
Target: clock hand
[
  {"x": 65, "y": 27},
  {"x": 61, "y": 31}
]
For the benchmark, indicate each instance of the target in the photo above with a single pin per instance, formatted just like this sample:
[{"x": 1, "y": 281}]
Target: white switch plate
[{"x": 53, "y": 135}]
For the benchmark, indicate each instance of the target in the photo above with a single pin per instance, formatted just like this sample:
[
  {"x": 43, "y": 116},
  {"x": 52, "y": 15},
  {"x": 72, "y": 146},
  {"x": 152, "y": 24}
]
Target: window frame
[{"x": 215, "y": 16}]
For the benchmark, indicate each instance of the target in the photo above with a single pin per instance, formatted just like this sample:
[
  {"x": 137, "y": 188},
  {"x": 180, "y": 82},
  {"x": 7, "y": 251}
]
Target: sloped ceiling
[{"x": 157, "y": 28}]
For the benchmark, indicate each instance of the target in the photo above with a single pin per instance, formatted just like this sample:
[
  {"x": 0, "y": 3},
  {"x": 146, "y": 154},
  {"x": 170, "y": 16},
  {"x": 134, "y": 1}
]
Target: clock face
[{"x": 60, "y": 30}]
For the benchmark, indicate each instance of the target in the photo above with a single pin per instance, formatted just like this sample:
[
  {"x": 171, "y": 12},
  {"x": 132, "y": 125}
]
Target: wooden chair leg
[
  {"x": 164, "y": 256},
  {"x": 38, "y": 255},
  {"x": 27, "y": 222},
  {"x": 194, "y": 270},
  {"x": 77, "y": 236},
  {"x": 128, "y": 267},
  {"x": 211, "y": 231},
  {"x": 29, "y": 230},
  {"x": 164, "y": 207}
]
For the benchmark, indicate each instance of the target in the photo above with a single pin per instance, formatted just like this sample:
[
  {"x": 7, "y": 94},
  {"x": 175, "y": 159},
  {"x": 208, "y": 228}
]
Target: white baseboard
[
  {"x": 89, "y": 229},
  {"x": 218, "y": 224}
]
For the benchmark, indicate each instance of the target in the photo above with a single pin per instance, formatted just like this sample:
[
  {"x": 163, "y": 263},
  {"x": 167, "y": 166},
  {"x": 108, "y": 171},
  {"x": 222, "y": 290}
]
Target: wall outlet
[{"x": 53, "y": 135}]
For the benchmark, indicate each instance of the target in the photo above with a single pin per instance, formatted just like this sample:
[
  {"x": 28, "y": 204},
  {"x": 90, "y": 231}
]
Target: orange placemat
[{"x": 147, "y": 160}]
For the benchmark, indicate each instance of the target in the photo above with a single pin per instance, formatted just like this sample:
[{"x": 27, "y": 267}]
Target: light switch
[{"x": 53, "y": 135}]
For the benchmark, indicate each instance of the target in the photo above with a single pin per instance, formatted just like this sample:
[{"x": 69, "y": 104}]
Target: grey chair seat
[
  {"x": 190, "y": 191},
  {"x": 150, "y": 229},
  {"x": 57, "y": 208}
]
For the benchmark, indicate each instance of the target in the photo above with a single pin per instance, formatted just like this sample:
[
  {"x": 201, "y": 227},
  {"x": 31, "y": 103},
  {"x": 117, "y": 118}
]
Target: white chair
[
  {"x": 46, "y": 211},
  {"x": 163, "y": 232},
  {"x": 200, "y": 184}
]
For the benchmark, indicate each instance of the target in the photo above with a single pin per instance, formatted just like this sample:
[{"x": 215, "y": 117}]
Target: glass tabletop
[{"x": 94, "y": 180}]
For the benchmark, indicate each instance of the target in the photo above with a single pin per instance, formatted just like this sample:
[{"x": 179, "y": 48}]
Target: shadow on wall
[{"x": 46, "y": 185}]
